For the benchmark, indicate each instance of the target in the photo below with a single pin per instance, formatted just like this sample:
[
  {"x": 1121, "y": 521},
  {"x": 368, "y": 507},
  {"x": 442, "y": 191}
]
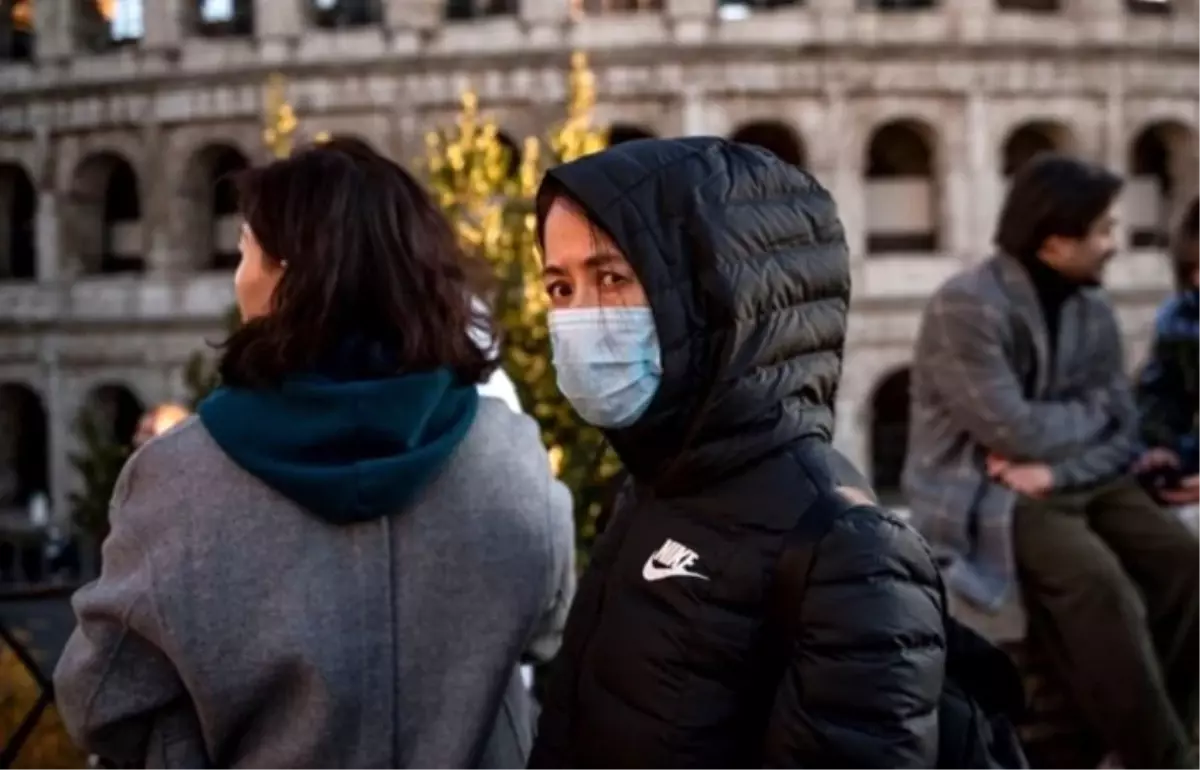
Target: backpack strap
[{"x": 795, "y": 563}]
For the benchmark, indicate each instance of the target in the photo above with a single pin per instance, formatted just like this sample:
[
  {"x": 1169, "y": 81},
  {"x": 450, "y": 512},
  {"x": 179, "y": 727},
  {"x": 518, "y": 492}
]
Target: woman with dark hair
[
  {"x": 343, "y": 559},
  {"x": 728, "y": 617}
]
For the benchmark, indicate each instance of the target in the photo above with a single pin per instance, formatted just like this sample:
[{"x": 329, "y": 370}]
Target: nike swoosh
[{"x": 652, "y": 572}]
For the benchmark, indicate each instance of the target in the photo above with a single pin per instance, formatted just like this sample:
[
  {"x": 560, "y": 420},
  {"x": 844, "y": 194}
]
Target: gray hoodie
[{"x": 232, "y": 627}]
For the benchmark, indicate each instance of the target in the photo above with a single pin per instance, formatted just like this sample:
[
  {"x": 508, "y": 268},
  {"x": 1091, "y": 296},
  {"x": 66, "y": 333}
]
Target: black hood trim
[{"x": 745, "y": 265}]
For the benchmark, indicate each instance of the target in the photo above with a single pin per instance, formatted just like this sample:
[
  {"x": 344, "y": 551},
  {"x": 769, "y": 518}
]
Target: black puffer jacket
[{"x": 668, "y": 659}]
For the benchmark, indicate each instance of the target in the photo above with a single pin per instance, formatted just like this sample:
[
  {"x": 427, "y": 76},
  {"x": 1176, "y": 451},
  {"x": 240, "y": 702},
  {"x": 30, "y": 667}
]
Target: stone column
[
  {"x": 1115, "y": 154},
  {"x": 55, "y": 25},
  {"x": 844, "y": 178},
  {"x": 46, "y": 236},
  {"x": 545, "y": 20},
  {"x": 412, "y": 14},
  {"x": 163, "y": 24},
  {"x": 58, "y": 431},
  {"x": 982, "y": 165},
  {"x": 278, "y": 21},
  {"x": 164, "y": 254},
  {"x": 971, "y": 17},
  {"x": 691, "y": 18},
  {"x": 693, "y": 111}
]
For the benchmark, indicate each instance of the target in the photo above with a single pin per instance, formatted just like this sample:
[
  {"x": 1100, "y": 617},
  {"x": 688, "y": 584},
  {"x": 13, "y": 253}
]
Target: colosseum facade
[{"x": 118, "y": 118}]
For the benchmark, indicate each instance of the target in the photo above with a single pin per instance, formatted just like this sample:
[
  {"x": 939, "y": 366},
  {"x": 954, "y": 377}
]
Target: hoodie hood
[
  {"x": 745, "y": 264},
  {"x": 345, "y": 450}
]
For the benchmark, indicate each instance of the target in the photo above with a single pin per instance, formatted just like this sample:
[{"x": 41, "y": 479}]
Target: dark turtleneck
[{"x": 1053, "y": 289}]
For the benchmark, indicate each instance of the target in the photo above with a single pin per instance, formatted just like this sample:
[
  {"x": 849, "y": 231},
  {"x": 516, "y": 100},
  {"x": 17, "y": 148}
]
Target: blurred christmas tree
[
  {"x": 98, "y": 464},
  {"x": 469, "y": 171}
]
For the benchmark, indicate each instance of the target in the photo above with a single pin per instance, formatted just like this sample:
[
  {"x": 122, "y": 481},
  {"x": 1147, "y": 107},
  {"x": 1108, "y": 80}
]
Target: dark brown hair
[
  {"x": 1053, "y": 195},
  {"x": 371, "y": 264},
  {"x": 1185, "y": 245}
]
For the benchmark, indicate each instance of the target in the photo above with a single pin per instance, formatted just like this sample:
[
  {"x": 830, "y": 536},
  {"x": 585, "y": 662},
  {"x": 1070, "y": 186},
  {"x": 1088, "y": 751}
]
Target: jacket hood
[
  {"x": 745, "y": 264},
  {"x": 345, "y": 450}
]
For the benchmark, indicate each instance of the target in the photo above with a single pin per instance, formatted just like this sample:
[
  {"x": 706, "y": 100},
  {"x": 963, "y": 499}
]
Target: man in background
[{"x": 1023, "y": 446}]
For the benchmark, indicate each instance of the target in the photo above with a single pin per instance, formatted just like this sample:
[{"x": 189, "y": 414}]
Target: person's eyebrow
[{"x": 593, "y": 262}]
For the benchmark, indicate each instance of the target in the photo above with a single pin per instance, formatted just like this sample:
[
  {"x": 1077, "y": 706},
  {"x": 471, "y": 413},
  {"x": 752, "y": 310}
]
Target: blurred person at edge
[
  {"x": 361, "y": 548},
  {"x": 699, "y": 291},
  {"x": 1022, "y": 468},
  {"x": 1168, "y": 389}
]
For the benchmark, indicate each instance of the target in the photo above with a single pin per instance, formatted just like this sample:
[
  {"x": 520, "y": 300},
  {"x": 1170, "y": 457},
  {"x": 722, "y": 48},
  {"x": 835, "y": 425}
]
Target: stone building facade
[{"x": 119, "y": 118}]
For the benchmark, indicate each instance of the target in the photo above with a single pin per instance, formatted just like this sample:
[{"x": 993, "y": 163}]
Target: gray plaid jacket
[{"x": 983, "y": 380}]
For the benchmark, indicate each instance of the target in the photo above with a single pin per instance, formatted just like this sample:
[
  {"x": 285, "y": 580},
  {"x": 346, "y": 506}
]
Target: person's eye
[
  {"x": 610, "y": 279},
  {"x": 558, "y": 289}
]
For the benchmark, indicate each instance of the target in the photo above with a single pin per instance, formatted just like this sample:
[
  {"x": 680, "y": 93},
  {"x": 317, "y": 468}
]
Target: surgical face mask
[{"x": 608, "y": 362}]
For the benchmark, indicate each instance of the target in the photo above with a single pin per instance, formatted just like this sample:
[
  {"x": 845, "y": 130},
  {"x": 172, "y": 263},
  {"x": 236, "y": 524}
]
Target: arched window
[
  {"x": 332, "y": 14},
  {"x": 461, "y": 10},
  {"x": 107, "y": 215},
  {"x": 1029, "y": 140},
  {"x": 101, "y": 25},
  {"x": 117, "y": 411},
  {"x": 211, "y": 207},
  {"x": 24, "y": 447},
  {"x": 1162, "y": 166},
  {"x": 732, "y": 10},
  {"x": 902, "y": 207},
  {"x": 777, "y": 137},
  {"x": 18, "y": 224},
  {"x": 620, "y": 133},
  {"x": 223, "y": 18},
  {"x": 889, "y": 436}
]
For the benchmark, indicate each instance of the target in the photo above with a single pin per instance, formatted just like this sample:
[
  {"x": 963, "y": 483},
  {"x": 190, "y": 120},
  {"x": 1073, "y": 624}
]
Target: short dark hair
[
  {"x": 372, "y": 264},
  {"x": 1053, "y": 195},
  {"x": 1185, "y": 245}
]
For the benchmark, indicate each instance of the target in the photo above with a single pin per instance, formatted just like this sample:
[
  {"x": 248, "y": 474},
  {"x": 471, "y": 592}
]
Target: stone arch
[
  {"x": 24, "y": 446},
  {"x": 18, "y": 224},
  {"x": 888, "y": 437},
  {"x": 902, "y": 195},
  {"x": 619, "y": 133},
  {"x": 1162, "y": 170},
  {"x": 107, "y": 215},
  {"x": 341, "y": 14},
  {"x": 1030, "y": 139},
  {"x": 775, "y": 136},
  {"x": 210, "y": 207},
  {"x": 116, "y": 409}
]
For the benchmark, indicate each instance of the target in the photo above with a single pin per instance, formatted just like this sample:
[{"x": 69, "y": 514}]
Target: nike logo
[{"x": 671, "y": 560}]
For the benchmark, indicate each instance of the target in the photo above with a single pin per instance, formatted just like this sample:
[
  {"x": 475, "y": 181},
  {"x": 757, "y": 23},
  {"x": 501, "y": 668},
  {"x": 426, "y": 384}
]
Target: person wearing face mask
[{"x": 699, "y": 294}]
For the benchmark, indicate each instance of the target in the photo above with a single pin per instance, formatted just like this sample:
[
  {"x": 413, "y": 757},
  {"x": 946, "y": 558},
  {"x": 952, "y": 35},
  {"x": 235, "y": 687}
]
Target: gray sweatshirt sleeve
[
  {"x": 114, "y": 684},
  {"x": 561, "y": 588}
]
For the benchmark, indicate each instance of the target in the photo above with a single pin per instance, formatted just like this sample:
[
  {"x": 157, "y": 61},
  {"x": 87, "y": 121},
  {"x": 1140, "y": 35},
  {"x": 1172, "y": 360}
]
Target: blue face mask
[{"x": 608, "y": 362}]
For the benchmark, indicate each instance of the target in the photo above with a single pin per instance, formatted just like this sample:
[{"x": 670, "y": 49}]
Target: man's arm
[
  {"x": 1117, "y": 449},
  {"x": 867, "y": 659},
  {"x": 962, "y": 350}
]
